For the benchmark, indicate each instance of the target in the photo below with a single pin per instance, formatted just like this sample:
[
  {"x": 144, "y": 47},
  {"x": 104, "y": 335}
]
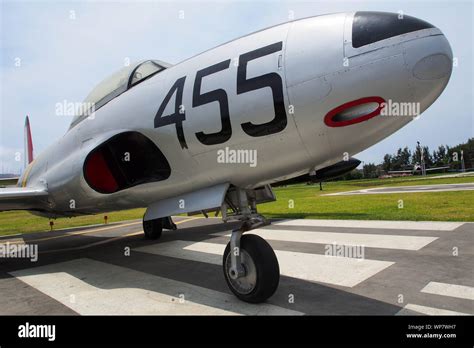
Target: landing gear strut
[{"x": 250, "y": 265}]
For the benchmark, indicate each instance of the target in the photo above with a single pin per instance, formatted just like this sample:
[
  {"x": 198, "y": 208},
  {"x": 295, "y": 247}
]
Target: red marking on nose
[{"x": 331, "y": 122}]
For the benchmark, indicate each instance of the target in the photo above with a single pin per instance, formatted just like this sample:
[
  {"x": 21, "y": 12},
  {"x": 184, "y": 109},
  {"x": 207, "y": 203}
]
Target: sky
[{"x": 53, "y": 51}]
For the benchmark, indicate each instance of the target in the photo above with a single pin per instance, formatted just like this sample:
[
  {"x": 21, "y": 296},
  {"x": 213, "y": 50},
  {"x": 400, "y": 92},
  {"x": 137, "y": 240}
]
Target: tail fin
[{"x": 28, "y": 143}]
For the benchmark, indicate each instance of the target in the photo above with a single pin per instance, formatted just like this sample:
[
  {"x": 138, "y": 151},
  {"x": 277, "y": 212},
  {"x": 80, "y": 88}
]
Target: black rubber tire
[
  {"x": 266, "y": 264},
  {"x": 153, "y": 228}
]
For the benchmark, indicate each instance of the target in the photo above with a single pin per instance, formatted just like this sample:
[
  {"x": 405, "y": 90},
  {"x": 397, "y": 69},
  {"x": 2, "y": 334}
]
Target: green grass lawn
[
  {"x": 350, "y": 185},
  {"x": 308, "y": 202},
  {"x": 12, "y": 222}
]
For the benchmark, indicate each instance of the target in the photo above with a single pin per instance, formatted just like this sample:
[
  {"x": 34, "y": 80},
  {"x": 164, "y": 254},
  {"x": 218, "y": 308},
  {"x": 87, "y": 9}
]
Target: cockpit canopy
[{"x": 118, "y": 83}]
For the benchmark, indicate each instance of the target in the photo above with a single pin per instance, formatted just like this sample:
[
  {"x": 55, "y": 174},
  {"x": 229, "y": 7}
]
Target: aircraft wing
[
  {"x": 206, "y": 198},
  {"x": 19, "y": 198}
]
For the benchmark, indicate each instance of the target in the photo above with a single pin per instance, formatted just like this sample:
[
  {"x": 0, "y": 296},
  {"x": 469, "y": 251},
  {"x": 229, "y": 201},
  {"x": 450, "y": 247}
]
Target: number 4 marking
[{"x": 179, "y": 114}]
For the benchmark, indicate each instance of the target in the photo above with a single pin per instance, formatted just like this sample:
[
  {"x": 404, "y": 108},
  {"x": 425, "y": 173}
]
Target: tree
[
  {"x": 405, "y": 157},
  {"x": 370, "y": 170},
  {"x": 387, "y": 162},
  {"x": 440, "y": 156},
  {"x": 468, "y": 154},
  {"x": 427, "y": 157}
]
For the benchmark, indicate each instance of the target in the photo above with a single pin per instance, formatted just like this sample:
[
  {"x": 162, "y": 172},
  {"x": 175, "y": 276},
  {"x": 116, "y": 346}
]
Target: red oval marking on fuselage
[{"x": 328, "y": 119}]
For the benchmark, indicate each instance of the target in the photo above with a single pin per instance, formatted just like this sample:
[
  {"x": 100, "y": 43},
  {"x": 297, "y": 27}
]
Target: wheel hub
[{"x": 246, "y": 283}]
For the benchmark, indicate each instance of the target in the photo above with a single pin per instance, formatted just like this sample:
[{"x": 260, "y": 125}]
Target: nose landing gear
[
  {"x": 250, "y": 266},
  {"x": 249, "y": 263}
]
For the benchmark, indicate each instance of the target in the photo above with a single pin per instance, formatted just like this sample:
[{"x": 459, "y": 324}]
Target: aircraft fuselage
[{"x": 303, "y": 95}]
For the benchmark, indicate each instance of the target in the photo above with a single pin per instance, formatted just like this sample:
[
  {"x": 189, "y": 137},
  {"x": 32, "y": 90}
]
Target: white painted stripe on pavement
[
  {"x": 386, "y": 241},
  {"x": 341, "y": 271},
  {"x": 452, "y": 290},
  {"x": 92, "y": 287},
  {"x": 428, "y": 310},
  {"x": 397, "y": 225},
  {"x": 10, "y": 241}
]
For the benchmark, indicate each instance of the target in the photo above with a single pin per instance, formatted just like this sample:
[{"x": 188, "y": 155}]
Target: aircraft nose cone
[
  {"x": 433, "y": 67},
  {"x": 426, "y": 51},
  {"x": 429, "y": 60}
]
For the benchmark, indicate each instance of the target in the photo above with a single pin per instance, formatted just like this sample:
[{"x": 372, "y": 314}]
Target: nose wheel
[{"x": 250, "y": 267}]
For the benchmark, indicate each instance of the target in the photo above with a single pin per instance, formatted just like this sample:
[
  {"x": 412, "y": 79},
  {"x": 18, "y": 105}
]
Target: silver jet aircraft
[{"x": 215, "y": 130}]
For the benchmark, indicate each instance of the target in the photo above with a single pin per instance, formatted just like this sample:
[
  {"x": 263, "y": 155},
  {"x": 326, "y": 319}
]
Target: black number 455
[{"x": 244, "y": 85}]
